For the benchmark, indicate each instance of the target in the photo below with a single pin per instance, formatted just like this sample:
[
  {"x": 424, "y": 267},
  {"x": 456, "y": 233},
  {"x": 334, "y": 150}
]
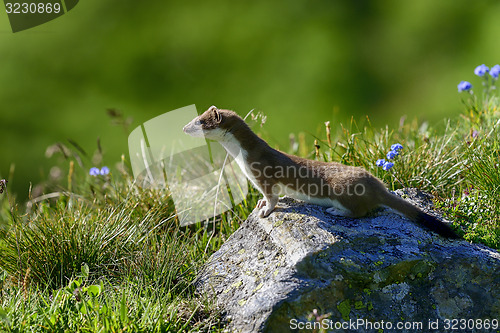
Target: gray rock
[{"x": 303, "y": 268}]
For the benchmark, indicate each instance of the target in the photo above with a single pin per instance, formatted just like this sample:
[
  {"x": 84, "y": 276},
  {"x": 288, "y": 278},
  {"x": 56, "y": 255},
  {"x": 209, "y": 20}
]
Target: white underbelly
[
  {"x": 241, "y": 161},
  {"x": 320, "y": 201}
]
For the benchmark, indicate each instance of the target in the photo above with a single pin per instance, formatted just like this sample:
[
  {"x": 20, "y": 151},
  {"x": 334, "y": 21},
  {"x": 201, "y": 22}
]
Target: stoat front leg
[{"x": 267, "y": 205}]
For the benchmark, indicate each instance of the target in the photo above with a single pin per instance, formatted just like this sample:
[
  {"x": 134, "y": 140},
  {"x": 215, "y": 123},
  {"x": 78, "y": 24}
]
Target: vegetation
[
  {"x": 459, "y": 163},
  {"x": 107, "y": 256},
  {"x": 100, "y": 254}
]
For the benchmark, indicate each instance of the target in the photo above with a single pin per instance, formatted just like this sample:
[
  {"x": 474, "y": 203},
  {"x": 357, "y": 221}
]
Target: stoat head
[{"x": 213, "y": 124}]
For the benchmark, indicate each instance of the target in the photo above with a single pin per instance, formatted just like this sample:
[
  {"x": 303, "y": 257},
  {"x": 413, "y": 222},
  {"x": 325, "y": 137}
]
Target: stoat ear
[{"x": 216, "y": 114}]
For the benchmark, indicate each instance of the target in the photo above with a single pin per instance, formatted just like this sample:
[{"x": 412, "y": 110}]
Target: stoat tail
[{"x": 422, "y": 218}]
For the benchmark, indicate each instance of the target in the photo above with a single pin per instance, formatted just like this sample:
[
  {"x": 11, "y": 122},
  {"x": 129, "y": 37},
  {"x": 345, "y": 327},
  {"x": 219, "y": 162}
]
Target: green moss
[
  {"x": 400, "y": 272},
  {"x": 278, "y": 223},
  {"x": 345, "y": 309},
  {"x": 358, "y": 305},
  {"x": 237, "y": 284},
  {"x": 323, "y": 254},
  {"x": 369, "y": 306},
  {"x": 258, "y": 287},
  {"x": 294, "y": 217}
]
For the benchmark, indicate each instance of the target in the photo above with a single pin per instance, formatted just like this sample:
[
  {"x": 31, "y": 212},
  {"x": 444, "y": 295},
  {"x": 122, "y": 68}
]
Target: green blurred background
[{"x": 299, "y": 62}]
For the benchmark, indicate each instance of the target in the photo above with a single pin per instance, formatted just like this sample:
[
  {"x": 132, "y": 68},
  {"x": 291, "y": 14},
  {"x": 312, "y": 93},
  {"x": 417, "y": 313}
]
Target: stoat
[{"x": 344, "y": 190}]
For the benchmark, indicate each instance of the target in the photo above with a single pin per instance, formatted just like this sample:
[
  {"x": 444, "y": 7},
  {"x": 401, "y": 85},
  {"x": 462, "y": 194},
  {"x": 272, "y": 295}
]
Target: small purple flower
[
  {"x": 392, "y": 154},
  {"x": 464, "y": 86},
  {"x": 468, "y": 190},
  {"x": 104, "y": 170},
  {"x": 475, "y": 133},
  {"x": 481, "y": 70},
  {"x": 380, "y": 162},
  {"x": 387, "y": 166},
  {"x": 495, "y": 71},
  {"x": 94, "y": 171},
  {"x": 396, "y": 147}
]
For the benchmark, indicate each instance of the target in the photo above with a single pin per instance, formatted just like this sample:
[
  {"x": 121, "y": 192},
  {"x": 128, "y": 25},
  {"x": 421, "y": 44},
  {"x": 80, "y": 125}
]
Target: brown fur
[{"x": 331, "y": 181}]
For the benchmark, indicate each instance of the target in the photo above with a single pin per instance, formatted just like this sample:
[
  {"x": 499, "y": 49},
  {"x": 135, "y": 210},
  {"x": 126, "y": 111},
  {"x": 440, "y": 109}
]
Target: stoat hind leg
[
  {"x": 336, "y": 211},
  {"x": 267, "y": 205}
]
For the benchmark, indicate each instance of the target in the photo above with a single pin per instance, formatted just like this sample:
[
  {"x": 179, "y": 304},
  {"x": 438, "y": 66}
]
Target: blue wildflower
[
  {"x": 380, "y": 162},
  {"x": 396, "y": 147},
  {"x": 464, "y": 86},
  {"x": 104, "y": 170},
  {"x": 392, "y": 154},
  {"x": 495, "y": 71},
  {"x": 387, "y": 165},
  {"x": 481, "y": 70},
  {"x": 94, "y": 171}
]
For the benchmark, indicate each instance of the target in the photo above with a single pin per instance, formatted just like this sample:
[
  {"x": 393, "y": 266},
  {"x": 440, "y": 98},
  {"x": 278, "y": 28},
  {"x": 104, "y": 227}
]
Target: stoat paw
[
  {"x": 264, "y": 212},
  {"x": 335, "y": 212},
  {"x": 261, "y": 203}
]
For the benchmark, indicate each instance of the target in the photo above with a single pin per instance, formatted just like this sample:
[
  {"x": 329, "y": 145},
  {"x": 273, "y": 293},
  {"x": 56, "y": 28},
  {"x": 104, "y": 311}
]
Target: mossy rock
[{"x": 302, "y": 263}]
